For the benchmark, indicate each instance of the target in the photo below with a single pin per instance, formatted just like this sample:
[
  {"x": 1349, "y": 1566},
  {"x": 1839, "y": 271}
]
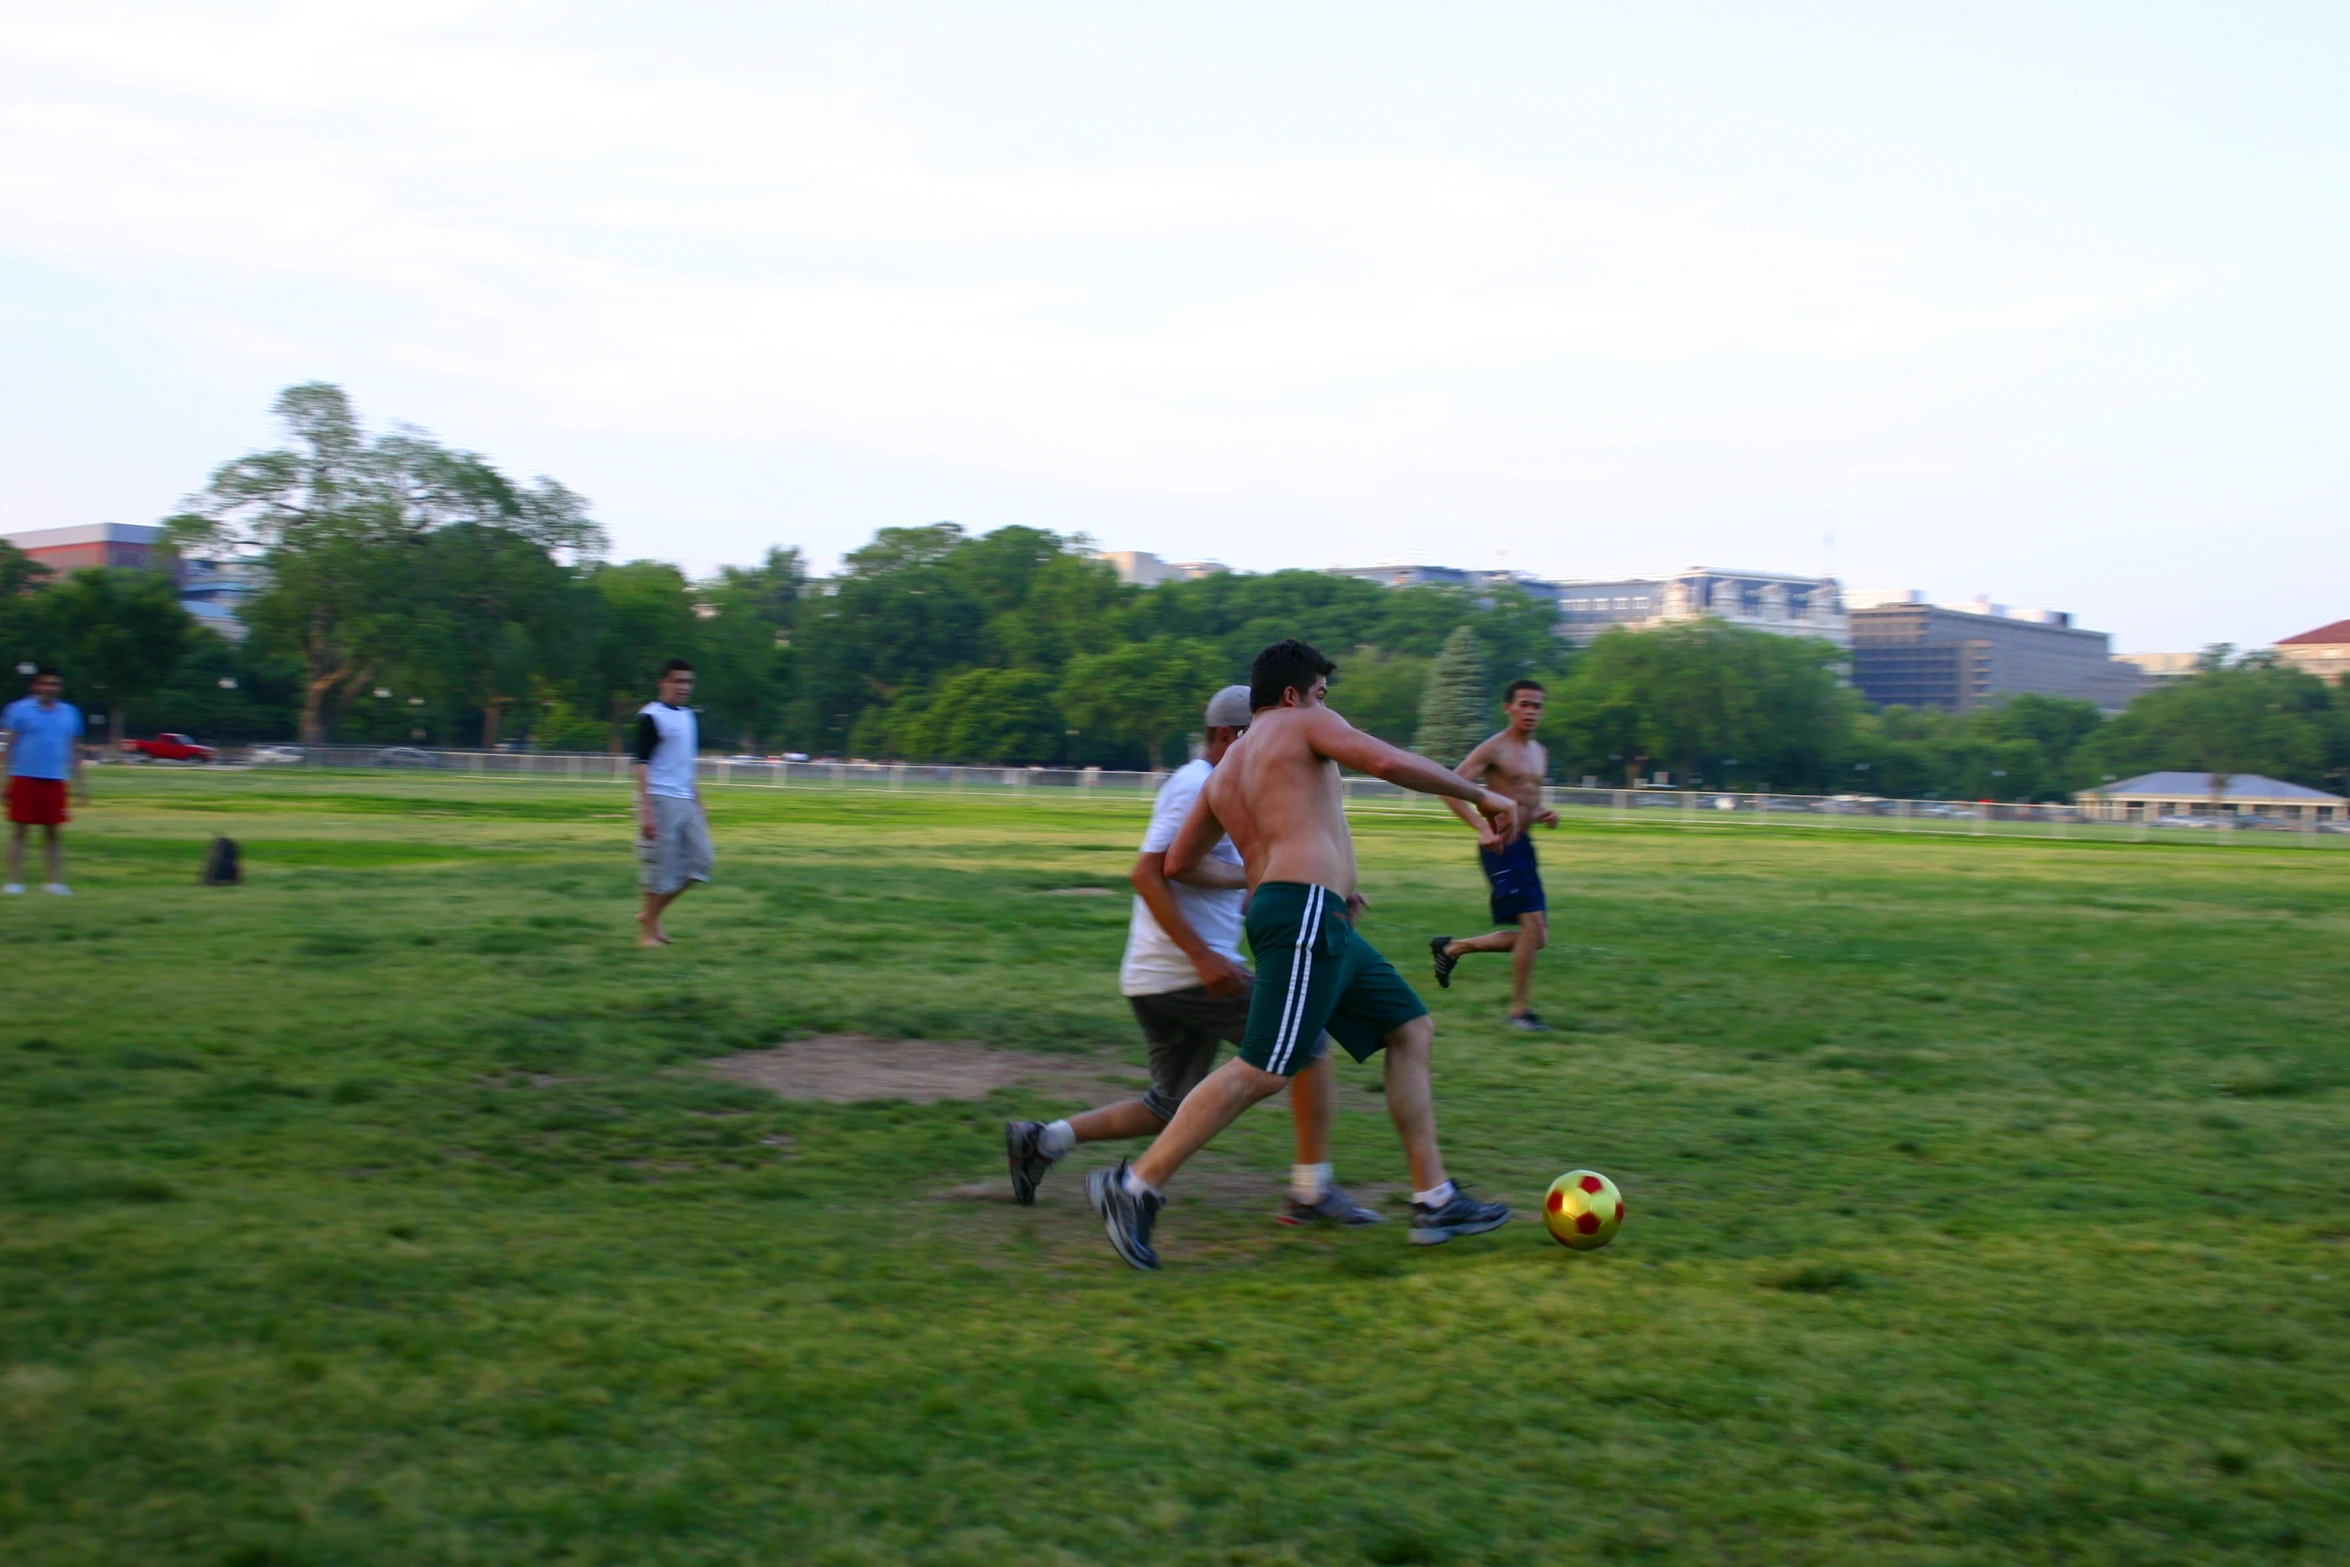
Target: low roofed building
[{"x": 2151, "y": 796}]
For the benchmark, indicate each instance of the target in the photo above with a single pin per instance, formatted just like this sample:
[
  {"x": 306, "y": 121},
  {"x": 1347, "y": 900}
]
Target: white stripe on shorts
[{"x": 1301, "y": 970}]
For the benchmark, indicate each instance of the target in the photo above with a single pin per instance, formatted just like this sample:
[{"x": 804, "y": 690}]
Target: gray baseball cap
[{"x": 1228, "y": 708}]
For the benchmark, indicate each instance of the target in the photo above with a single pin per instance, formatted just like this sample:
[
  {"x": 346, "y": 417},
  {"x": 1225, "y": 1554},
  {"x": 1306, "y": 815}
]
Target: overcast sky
[{"x": 2041, "y": 302}]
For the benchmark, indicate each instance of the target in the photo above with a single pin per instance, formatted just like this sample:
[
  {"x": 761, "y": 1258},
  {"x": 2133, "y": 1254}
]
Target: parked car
[
  {"x": 168, "y": 748},
  {"x": 275, "y": 756},
  {"x": 405, "y": 756},
  {"x": 791, "y": 756},
  {"x": 746, "y": 757}
]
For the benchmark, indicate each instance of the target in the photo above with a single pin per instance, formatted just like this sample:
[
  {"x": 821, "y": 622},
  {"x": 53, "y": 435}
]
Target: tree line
[{"x": 408, "y": 590}]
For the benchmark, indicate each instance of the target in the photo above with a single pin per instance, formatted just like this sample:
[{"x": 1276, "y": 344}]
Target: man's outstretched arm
[
  {"x": 1335, "y": 738},
  {"x": 1474, "y": 767}
]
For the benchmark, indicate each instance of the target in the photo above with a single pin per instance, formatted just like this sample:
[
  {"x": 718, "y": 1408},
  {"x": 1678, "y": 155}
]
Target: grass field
[{"x": 1987, "y": 1204}]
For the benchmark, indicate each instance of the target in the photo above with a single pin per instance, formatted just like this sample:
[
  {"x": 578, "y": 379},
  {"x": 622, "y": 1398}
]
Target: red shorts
[{"x": 37, "y": 802}]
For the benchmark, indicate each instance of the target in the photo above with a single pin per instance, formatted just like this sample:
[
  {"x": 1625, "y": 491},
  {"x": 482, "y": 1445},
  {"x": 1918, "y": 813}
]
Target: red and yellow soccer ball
[{"x": 1584, "y": 1210}]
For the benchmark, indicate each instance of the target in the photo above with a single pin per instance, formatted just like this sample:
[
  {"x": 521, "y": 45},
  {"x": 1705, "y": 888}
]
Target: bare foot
[{"x": 648, "y": 932}]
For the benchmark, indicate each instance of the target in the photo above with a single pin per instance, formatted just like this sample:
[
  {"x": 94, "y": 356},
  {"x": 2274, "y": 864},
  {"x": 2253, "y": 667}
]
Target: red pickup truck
[{"x": 168, "y": 748}]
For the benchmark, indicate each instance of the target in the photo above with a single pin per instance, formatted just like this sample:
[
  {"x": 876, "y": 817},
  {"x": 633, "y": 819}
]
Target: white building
[
  {"x": 1760, "y": 600},
  {"x": 1145, "y": 570}
]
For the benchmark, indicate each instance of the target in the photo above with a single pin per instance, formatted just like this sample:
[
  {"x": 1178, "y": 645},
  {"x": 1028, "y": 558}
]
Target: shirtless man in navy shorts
[{"x": 1512, "y": 763}]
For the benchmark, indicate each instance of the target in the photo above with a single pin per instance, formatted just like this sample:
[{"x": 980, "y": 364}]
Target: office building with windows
[{"x": 1960, "y": 657}]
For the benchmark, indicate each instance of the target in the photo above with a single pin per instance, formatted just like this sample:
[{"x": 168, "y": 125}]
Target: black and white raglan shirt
[{"x": 666, "y": 742}]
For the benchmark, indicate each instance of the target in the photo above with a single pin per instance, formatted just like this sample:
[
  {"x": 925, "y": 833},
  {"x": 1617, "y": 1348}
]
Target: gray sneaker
[
  {"x": 1126, "y": 1218},
  {"x": 1463, "y": 1215},
  {"x": 1029, "y": 1162},
  {"x": 1332, "y": 1207},
  {"x": 1527, "y": 1023}
]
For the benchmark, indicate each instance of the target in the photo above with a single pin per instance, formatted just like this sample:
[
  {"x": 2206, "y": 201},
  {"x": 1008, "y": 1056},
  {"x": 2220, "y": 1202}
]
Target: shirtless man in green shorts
[{"x": 1277, "y": 794}]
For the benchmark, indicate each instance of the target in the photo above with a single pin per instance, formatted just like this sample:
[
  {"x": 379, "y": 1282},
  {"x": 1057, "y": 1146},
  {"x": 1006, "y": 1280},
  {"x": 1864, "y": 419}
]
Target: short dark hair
[
  {"x": 1518, "y": 685},
  {"x": 677, "y": 666},
  {"x": 47, "y": 672},
  {"x": 1285, "y": 666}
]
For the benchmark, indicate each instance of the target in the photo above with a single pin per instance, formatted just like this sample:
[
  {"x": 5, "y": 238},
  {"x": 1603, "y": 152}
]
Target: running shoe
[
  {"x": 1126, "y": 1218},
  {"x": 1028, "y": 1160},
  {"x": 1332, "y": 1207},
  {"x": 1444, "y": 960},
  {"x": 1528, "y": 1023},
  {"x": 1463, "y": 1215}
]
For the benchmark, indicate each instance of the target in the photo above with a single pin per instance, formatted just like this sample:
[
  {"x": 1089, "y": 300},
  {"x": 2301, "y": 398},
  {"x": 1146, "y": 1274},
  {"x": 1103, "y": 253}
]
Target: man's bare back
[{"x": 1277, "y": 793}]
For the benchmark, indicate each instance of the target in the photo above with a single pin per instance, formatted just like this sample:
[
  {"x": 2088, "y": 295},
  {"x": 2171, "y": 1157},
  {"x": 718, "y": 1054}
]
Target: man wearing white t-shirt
[
  {"x": 673, "y": 835},
  {"x": 1183, "y": 977}
]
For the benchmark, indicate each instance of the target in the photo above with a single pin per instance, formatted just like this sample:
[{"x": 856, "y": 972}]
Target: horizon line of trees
[{"x": 409, "y": 591}]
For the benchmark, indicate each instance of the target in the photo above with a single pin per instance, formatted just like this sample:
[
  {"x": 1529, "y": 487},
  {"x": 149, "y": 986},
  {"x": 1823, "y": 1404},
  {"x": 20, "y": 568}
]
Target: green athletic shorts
[{"x": 1314, "y": 973}]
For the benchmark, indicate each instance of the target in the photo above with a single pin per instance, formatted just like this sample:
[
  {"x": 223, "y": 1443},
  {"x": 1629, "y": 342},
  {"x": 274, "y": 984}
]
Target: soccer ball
[{"x": 1583, "y": 1210}]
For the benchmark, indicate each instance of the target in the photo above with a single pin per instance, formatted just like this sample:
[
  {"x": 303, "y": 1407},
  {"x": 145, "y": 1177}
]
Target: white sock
[
  {"x": 1136, "y": 1186},
  {"x": 1307, "y": 1182},
  {"x": 1057, "y": 1138},
  {"x": 1435, "y": 1196}
]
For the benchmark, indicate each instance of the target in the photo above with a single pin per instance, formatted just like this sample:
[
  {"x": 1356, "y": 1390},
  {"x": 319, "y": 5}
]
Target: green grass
[{"x": 1987, "y": 1204}]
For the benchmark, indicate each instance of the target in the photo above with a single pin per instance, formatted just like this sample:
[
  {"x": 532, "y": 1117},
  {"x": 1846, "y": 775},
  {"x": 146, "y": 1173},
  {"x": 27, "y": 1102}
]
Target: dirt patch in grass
[{"x": 844, "y": 1068}]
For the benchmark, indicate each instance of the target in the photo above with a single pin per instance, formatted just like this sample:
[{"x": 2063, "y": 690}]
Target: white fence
[{"x": 1687, "y": 808}]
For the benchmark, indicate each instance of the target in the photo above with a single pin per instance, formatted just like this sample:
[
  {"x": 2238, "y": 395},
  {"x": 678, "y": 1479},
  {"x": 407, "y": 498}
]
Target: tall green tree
[
  {"x": 644, "y": 616},
  {"x": 492, "y": 613},
  {"x": 1710, "y": 700},
  {"x": 338, "y": 519},
  {"x": 1454, "y": 710},
  {"x": 123, "y": 633},
  {"x": 1139, "y": 704},
  {"x": 746, "y": 660}
]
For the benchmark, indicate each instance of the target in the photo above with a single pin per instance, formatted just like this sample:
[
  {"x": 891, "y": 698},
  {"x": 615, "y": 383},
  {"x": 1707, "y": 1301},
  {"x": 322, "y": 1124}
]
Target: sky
[{"x": 2044, "y": 303}]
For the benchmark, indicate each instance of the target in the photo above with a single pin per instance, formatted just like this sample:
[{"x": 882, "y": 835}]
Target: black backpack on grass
[{"x": 220, "y": 864}]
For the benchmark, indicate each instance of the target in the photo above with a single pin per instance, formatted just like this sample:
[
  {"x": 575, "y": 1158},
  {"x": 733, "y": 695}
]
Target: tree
[
  {"x": 644, "y": 615},
  {"x": 26, "y": 636},
  {"x": 1454, "y": 711},
  {"x": 1379, "y": 692},
  {"x": 123, "y": 633},
  {"x": 1710, "y": 699},
  {"x": 1138, "y": 705},
  {"x": 2249, "y": 715},
  {"x": 745, "y": 646},
  {"x": 338, "y": 520},
  {"x": 492, "y": 611},
  {"x": 989, "y": 716}
]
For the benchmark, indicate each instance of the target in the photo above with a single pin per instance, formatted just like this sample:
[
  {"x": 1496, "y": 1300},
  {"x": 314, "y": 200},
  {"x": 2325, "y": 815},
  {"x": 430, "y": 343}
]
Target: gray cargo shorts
[
  {"x": 678, "y": 851},
  {"x": 1184, "y": 1028}
]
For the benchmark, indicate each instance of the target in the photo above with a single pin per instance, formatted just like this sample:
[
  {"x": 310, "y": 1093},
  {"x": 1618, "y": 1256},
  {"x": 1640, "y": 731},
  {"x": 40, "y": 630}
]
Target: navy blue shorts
[{"x": 1516, "y": 881}]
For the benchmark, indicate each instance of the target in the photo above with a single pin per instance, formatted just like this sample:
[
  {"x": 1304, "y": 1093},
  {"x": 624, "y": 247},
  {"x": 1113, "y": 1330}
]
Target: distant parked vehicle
[
  {"x": 746, "y": 757},
  {"x": 275, "y": 756},
  {"x": 2208, "y": 822},
  {"x": 405, "y": 756},
  {"x": 793, "y": 756},
  {"x": 168, "y": 748}
]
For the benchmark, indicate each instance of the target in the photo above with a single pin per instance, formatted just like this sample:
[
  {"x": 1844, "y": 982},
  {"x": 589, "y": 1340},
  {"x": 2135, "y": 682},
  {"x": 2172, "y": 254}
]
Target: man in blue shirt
[{"x": 44, "y": 753}]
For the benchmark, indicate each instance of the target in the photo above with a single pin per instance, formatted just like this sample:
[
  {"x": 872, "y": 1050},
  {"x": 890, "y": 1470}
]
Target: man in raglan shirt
[
  {"x": 1183, "y": 977},
  {"x": 673, "y": 836}
]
